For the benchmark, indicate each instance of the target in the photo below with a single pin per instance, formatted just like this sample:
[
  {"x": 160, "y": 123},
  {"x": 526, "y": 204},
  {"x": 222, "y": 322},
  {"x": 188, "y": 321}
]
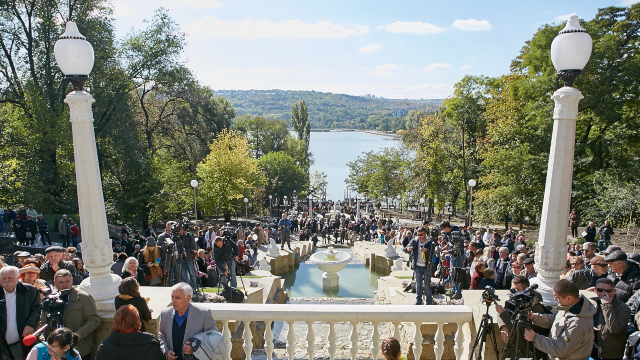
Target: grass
[
  {"x": 216, "y": 289},
  {"x": 404, "y": 277}
]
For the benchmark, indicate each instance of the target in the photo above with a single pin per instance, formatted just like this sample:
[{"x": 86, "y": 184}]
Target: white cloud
[
  {"x": 195, "y": 4},
  {"x": 370, "y": 48},
  {"x": 383, "y": 70},
  {"x": 257, "y": 29},
  {"x": 411, "y": 27},
  {"x": 472, "y": 25},
  {"x": 563, "y": 18},
  {"x": 465, "y": 67},
  {"x": 122, "y": 9},
  {"x": 437, "y": 67},
  {"x": 628, "y": 2}
]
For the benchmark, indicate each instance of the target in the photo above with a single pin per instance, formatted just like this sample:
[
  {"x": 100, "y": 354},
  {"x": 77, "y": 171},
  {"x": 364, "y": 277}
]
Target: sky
[{"x": 402, "y": 49}]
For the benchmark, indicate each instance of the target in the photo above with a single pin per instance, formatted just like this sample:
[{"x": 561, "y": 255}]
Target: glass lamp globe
[
  {"x": 194, "y": 183},
  {"x": 472, "y": 183},
  {"x": 246, "y": 200},
  {"x": 571, "y": 50},
  {"x": 74, "y": 54}
]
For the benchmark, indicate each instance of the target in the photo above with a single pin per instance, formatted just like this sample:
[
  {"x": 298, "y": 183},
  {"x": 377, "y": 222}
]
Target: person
[
  {"x": 574, "y": 222},
  {"x": 506, "y": 322},
  {"x": 502, "y": 267},
  {"x": 456, "y": 260},
  {"x": 225, "y": 254},
  {"x": 589, "y": 233},
  {"x": 201, "y": 268},
  {"x": 478, "y": 275},
  {"x": 488, "y": 237},
  {"x": 20, "y": 311},
  {"x": 530, "y": 271},
  {"x": 131, "y": 268},
  {"x": 54, "y": 263},
  {"x": 30, "y": 230},
  {"x": 118, "y": 265},
  {"x": 30, "y": 274},
  {"x": 63, "y": 230},
  {"x": 605, "y": 232},
  {"x": 181, "y": 322},
  {"x": 489, "y": 279},
  {"x": 20, "y": 230},
  {"x": 149, "y": 231},
  {"x": 609, "y": 322},
  {"x": 129, "y": 290},
  {"x": 80, "y": 314},
  {"x": 390, "y": 349},
  {"x": 586, "y": 278},
  {"x": 422, "y": 251},
  {"x": 128, "y": 340},
  {"x": 148, "y": 261},
  {"x": 624, "y": 274},
  {"x": 74, "y": 232},
  {"x": 571, "y": 335},
  {"x": 136, "y": 250},
  {"x": 189, "y": 249},
  {"x": 284, "y": 226},
  {"x": 60, "y": 345},
  {"x": 81, "y": 273},
  {"x": 632, "y": 348},
  {"x": 589, "y": 250}
]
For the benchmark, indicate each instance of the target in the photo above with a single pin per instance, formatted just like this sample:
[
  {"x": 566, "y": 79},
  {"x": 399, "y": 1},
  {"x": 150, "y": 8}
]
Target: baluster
[
  {"x": 396, "y": 331},
  {"x": 375, "y": 341},
  {"x": 226, "y": 333},
  {"x": 458, "y": 348},
  {"x": 438, "y": 348},
  {"x": 248, "y": 338},
  {"x": 269, "y": 336},
  {"x": 354, "y": 340},
  {"x": 417, "y": 341},
  {"x": 291, "y": 341},
  {"x": 311, "y": 340},
  {"x": 332, "y": 340}
]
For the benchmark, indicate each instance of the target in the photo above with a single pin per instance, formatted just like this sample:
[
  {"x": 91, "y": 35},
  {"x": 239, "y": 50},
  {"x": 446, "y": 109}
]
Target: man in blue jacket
[{"x": 421, "y": 250}]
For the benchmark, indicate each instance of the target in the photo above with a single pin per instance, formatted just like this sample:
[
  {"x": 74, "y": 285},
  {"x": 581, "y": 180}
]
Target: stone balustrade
[{"x": 392, "y": 316}]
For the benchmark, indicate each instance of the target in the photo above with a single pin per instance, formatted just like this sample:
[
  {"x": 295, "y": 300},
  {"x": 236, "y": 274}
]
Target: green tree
[
  {"x": 229, "y": 173},
  {"x": 264, "y": 135},
  {"x": 282, "y": 174},
  {"x": 379, "y": 175},
  {"x": 300, "y": 121}
]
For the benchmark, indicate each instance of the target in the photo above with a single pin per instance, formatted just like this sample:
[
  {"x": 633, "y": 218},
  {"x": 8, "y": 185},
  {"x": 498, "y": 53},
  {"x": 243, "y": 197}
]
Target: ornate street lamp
[
  {"x": 74, "y": 55},
  {"x": 422, "y": 209},
  {"x": 270, "y": 197},
  {"x": 194, "y": 184},
  {"x": 570, "y": 52},
  {"x": 284, "y": 202},
  {"x": 472, "y": 184},
  {"x": 246, "y": 211}
]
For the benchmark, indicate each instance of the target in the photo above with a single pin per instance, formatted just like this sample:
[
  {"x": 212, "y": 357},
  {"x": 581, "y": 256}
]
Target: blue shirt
[
  {"x": 180, "y": 319},
  {"x": 286, "y": 223}
]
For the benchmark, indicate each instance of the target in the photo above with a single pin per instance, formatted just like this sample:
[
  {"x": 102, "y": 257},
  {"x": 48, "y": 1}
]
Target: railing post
[
  {"x": 439, "y": 345},
  {"x": 269, "y": 336},
  {"x": 332, "y": 340},
  {"x": 417, "y": 341},
  {"x": 311, "y": 340},
  {"x": 248, "y": 338},
  {"x": 354, "y": 340},
  {"x": 291, "y": 341},
  {"x": 226, "y": 333},
  {"x": 458, "y": 348},
  {"x": 375, "y": 341}
]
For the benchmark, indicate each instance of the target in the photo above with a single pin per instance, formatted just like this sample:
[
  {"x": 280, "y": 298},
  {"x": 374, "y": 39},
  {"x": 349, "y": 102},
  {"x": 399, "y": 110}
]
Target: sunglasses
[
  {"x": 608, "y": 291},
  {"x": 575, "y": 264}
]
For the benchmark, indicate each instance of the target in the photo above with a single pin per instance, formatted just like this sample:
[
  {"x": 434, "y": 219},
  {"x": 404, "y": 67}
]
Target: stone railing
[{"x": 391, "y": 316}]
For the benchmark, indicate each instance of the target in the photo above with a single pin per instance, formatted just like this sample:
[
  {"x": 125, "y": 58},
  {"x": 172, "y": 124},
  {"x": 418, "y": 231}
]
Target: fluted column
[
  {"x": 96, "y": 244},
  {"x": 551, "y": 248}
]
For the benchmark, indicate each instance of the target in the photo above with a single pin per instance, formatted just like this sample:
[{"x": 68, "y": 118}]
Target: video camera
[
  {"x": 520, "y": 303},
  {"x": 175, "y": 228},
  {"x": 456, "y": 243},
  {"x": 54, "y": 305},
  {"x": 489, "y": 295},
  {"x": 227, "y": 230}
]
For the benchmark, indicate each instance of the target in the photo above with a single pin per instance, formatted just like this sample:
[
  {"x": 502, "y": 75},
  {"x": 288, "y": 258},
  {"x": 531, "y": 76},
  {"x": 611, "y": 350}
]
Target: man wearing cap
[
  {"x": 63, "y": 229},
  {"x": 589, "y": 250},
  {"x": 54, "y": 263},
  {"x": 43, "y": 229},
  {"x": 32, "y": 212},
  {"x": 625, "y": 276},
  {"x": 20, "y": 256},
  {"x": 19, "y": 312},
  {"x": 587, "y": 277},
  {"x": 530, "y": 271}
]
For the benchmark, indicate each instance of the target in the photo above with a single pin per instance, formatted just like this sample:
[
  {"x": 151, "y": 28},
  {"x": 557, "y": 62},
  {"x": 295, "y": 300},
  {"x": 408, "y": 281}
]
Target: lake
[{"x": 332, "y": 150}]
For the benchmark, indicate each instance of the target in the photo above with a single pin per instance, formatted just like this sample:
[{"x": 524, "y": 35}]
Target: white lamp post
[
  {"x": 194, "y": 184},
  {"x": 399, "y": 204},
  {"x": 270, "y": 197},
  {"x": 246, "y": 211},
  {"x": 294, "y": 201},
  {"x": 570, "y": 52},
  {"x": 74, "y": 56},
  {"x": 472, "y": 184},
  {"x": 422, "y": 209},
  {"x": 284, "y": 202}
]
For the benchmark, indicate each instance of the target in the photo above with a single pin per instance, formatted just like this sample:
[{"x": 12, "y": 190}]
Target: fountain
[{"x": 330, "y": 261}]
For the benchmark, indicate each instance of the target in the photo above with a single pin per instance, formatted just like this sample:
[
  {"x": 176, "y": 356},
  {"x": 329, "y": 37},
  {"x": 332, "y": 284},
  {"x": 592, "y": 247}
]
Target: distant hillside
[{"x": 328, "y": 110}]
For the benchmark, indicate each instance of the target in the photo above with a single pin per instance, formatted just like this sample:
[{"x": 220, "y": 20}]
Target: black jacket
[
  {"x": 139, "y": 303},
  {"x": 27, "y": 309},
  {"x": 46, "y": 273},
  {"x": 139, "y": 276},
  {"x": 626, "y": 284},
  {"x": 135, "y": 345}
]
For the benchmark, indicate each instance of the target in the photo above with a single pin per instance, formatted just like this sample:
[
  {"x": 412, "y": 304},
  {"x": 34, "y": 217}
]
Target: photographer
[
  {"x": 519, "y": 284},
  {"x": 284, "y": 226},
  {"x": 188, "y": 254},
  {"x": 456, "y": 249},
  {"x": 225, "y": 253},
  {"x": 571, "y": 335},
  {"x": 605, "y": 232},
  {"x": 80, "y": 314},
  {"x": 421, "y": 250}
]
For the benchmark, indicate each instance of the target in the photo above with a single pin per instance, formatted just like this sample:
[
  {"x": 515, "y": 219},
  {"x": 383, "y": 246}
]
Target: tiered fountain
[{"x": 330, "y": 261}]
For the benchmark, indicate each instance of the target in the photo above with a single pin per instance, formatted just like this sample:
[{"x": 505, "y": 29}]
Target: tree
[
  {"x": 282, "y": 174},
  {"x": 229, "y": 173},
  {"x": 318, "y": 184},
  {"x": 264, "y": 135},
  {"x": 379, "y": 175},
  {"x": 300, "y": 122}
]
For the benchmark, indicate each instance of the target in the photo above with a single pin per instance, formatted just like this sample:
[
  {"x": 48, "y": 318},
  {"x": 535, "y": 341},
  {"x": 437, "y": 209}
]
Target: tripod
[
  {"x": 517, "y": 333},
  {"x": 486, "y": 328}
]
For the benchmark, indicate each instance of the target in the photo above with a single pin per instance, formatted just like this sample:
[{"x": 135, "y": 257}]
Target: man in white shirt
[
  {"x": 19, "y": 311},
  {"x": 488, "y": 237}
]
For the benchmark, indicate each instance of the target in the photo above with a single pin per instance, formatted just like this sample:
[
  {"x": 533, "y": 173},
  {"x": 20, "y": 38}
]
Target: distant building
[{"x": 400, "y": 112}]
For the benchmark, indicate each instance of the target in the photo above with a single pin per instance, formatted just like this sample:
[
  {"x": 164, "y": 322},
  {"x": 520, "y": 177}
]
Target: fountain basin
[{"x": 330, "y": 261}]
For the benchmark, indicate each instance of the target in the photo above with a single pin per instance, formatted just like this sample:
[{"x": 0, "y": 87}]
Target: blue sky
[{"x": 394, "y": 49}]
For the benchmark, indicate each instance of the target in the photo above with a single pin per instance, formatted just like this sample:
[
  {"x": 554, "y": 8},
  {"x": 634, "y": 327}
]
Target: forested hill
[{"x": 328, "y": 110}]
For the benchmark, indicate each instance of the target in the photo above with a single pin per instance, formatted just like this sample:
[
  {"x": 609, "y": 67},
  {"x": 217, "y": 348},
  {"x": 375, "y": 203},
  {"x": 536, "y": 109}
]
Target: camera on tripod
[
  {"x": 520, "y": 303},
  {"x": 54, "y": 305},
  {"x": 489, "y": 295},
  {"x": 456, "y": 243}
]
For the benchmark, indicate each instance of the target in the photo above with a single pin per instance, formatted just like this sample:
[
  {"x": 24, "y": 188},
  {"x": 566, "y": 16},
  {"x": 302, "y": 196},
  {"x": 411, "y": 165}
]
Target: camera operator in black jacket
[
  {"x": 519, "y": 284},
  {"x": 225, "y": 253}
]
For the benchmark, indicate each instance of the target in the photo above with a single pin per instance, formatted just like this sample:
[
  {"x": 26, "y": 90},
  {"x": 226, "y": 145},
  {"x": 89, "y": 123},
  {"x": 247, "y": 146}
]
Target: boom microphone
[{"x": 31, "y": 339}]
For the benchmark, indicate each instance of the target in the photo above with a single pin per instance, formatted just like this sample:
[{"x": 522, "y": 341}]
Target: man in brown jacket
[
  {"x": 571, "y": 335},
  {"x": 610, "y": 322},
  {"x": 80, "y": 315}
]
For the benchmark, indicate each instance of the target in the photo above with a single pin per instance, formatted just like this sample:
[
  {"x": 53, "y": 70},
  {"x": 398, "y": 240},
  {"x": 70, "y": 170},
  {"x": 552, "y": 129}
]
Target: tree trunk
[
  {"x": 521, "y": 219},
  {"x": 506, "y": 222}
]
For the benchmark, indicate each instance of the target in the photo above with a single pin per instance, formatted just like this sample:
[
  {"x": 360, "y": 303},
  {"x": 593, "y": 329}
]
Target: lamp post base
[{"x": 102, "y": 289}]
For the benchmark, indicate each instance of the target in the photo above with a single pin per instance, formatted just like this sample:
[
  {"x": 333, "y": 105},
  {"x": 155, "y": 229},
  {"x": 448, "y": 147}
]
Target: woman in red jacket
[{"x": 477, "y": 276}]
